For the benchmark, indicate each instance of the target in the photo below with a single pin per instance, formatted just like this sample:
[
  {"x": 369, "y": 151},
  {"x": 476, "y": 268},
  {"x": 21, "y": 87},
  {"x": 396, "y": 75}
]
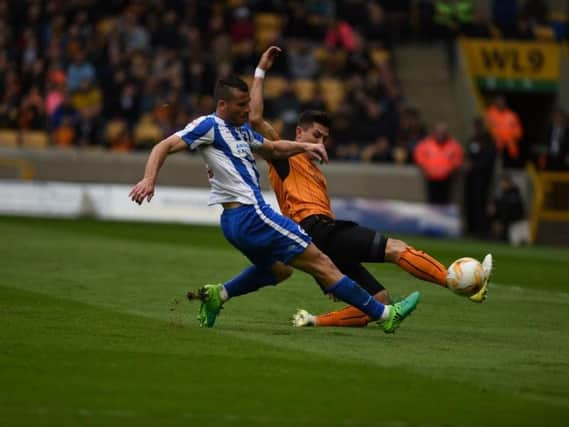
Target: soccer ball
[{"x": 465, "y": 276}]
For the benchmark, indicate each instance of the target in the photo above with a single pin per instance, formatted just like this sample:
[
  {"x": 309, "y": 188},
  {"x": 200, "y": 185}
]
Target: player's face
[
  {"x": 236, "y": 110},
  {"x": 316, "y": 134}
]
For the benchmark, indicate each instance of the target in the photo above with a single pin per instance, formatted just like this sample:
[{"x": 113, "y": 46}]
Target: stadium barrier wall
[
  {"x": 344, "y": 179},
  {"x": 189, "y": 205}
]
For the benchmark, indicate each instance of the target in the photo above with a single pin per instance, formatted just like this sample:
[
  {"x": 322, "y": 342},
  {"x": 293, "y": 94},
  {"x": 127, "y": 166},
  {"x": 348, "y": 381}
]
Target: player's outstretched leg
[
  {"x": 399, "y": 312},
  {"x": 487, "y": 266},
  {"x": 345, "y": 317},
  {"x": 316, "y": 263},
  {"x": 418, "y": 263}
]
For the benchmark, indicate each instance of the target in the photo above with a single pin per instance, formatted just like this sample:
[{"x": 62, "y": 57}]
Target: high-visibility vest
[
  {"x": 506, "y": 129},
  {"x": 438, "y": 160}
]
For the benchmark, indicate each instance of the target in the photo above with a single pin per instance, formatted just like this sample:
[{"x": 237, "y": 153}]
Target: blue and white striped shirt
[{"x": 227, "y": 152}]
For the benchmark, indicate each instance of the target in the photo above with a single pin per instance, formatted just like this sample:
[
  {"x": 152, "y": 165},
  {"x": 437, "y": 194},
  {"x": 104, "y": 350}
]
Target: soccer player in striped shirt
[{"x": 272, "y": 242}]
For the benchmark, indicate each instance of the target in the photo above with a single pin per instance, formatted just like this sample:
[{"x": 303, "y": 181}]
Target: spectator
[
  {"x": 340, "y": 35},
  {"x": 241, "y": 28},
  {"x": 79, "y": 71},
  {"x": 32, "y": 111},
  {"x": 118, "y": 135},
  {"x": 358, "y": 60},
  {"x": 376, "y": 30},
  {"x": 129, "y": 104},
  {"x": 378, "y": 151},
  {"x": 411, "y": 131},
  {"x": 298, "y": 24},
  {"x": 375, "y": 132},
  {"x": 524, "y": 29},
  {"x": 65, "y": 111},
  {"x": 478, "y": 28},
  {"x": 439, "y": 157},
  {"x": 65, "y": 133},
  {"x": 56, "y": 91},
  {"x": 505, "y": 16},
  {"x": 536, "y": 11},
  {"x": 302, "y": 63},
  {"x": 506, "y": 208},
  {"x": 506, "y": 129},
  {"x": 446, "y": 29},
  {"x": 557, "y": 150},
  {"x": 286, "y": 108},
  {"x": 133, "y": 58},
  {"x": 136, "y": 36},
  {"x": 245, "y": 58},
  {"x": 479, "y": 168},
  {"x": 342, "y": 135}
]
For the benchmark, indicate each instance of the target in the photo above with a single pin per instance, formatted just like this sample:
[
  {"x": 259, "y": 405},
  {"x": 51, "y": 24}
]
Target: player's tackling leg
[{"x": 417, "y": 263}]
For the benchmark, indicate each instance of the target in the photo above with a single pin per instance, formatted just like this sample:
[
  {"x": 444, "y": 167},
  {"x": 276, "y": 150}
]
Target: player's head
[
  {"x": 500, "y": 102},
  {"x": 232, "y": 100},
  {"x": 440, "y": 132},
  {"x": 313, "y": 126}
]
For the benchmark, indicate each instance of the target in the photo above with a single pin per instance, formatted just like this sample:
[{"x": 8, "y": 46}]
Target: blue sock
[
  {"x": 249, "y": 280},
  {"x": 349, "y": 291}
]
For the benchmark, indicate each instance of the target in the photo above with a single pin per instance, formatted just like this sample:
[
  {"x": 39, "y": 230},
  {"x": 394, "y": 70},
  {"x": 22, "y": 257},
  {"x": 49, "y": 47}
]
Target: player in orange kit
[{"x": 302, "y": 194}]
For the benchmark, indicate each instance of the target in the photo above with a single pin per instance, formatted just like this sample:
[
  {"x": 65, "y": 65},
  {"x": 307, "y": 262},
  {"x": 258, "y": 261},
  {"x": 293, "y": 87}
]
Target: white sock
[
  {"x": 311, "y": 320},
  {"x": 385, "y": 314},
  {"x": 223, "y": 294}
]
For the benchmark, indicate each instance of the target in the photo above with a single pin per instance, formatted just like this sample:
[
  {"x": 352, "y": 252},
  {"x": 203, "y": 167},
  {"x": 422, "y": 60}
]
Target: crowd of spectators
[{"x": 122, "y": 74}]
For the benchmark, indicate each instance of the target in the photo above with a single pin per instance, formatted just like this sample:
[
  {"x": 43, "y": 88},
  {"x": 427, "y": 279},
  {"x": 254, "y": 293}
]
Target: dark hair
[
  {"x": 223, "y": 87},
  {"x": 307, "y": 118}
]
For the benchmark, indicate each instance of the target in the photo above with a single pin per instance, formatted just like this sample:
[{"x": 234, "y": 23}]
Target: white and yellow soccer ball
[{"x": 465, "y": 276}]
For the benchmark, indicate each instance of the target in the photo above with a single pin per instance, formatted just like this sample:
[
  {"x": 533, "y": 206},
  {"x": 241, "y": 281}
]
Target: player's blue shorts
[{"x": 263, "y": 235}]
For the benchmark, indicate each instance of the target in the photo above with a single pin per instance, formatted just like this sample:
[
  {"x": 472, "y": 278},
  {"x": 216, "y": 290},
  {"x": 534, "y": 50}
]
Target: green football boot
[
  {"x": 211, "y": 304},
  {"x": 398, "y": 312}
]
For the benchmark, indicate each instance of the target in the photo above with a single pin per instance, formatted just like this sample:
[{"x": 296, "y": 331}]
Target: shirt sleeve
[
  {"x": 256, "y": 138},
  {"x": 198, "y": 132}
]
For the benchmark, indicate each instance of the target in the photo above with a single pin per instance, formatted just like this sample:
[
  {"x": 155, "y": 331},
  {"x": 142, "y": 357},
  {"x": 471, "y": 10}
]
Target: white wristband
[{"x": 259, "y": 73}]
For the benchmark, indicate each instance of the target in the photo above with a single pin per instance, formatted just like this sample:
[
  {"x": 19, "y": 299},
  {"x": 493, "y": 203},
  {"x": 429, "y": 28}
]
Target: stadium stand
[{"x": 121, "y": 75}]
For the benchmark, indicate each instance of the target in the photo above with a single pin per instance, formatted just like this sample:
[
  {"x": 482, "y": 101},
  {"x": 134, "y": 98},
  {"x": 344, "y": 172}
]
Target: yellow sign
[{"x": 512, "y": 60}]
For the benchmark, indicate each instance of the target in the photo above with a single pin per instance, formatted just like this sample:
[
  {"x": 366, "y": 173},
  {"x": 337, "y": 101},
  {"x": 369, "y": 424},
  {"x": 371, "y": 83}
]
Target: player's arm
[
  {"x": 282, "y": 149},
  {"x": 145, "y": 187},
  {"x": 256, "y": 105}
]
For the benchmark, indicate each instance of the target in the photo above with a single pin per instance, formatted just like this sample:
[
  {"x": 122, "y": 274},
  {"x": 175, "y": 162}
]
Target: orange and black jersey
[{"x": 300, "y": 187}]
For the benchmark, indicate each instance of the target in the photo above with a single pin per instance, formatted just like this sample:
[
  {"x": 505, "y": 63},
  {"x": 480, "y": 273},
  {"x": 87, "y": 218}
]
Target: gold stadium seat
[
  {"x": 267, "y": 29},
  {"x": 333, "y": 92},
  {"x": 543, "y": 32},
  {"x": 268, "y": 20},
  {"x": 9, "y": 138},
  {"x": 304, "y": 89},
  {"x": 274, "y": 86},
  {"x": 321, "y": 54},
  {"x": 35, "y": 139},
  {"x": 265, "y": 37},
  {"x": 379, "y": 56},
  {"x": 146, "y": 132}
]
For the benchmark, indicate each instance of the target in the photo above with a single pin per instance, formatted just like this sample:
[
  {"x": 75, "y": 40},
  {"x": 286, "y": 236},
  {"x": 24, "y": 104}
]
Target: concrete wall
[{"x": 344, "y": 179}]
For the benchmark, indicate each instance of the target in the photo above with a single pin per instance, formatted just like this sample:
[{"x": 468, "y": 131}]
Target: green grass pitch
[{"x": 90, "y": 335}]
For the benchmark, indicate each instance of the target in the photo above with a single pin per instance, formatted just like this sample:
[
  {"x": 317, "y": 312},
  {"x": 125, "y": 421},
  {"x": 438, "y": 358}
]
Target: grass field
[{"x": 90, "y": 335}]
